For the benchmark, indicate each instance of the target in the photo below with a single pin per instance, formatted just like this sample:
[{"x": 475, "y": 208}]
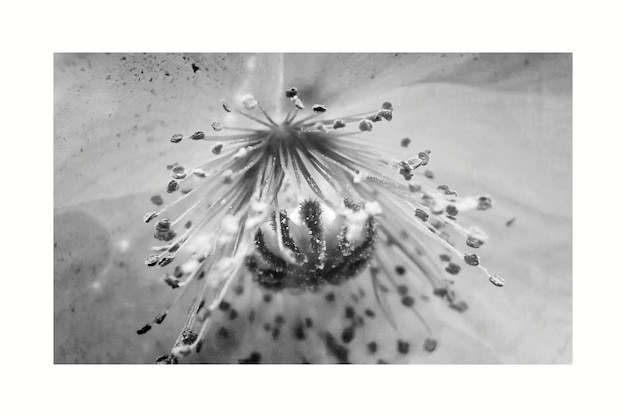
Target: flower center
[{"x": 313, "y": 246}]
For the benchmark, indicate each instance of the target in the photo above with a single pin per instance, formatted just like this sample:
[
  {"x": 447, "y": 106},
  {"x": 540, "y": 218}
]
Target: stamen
[
  {"x": 337, "y": 239},
  {"x": 226, "y": 106},
  {"x": 365, "y": 125},
  {"x": 249, "y": 102}
]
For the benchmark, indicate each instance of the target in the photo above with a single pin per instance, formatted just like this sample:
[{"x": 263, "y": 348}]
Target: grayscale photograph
[{"x": 312, "y": 208}]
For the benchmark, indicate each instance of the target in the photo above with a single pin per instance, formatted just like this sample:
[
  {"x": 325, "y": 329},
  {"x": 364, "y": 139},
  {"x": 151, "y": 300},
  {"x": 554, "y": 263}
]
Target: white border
[{"x": 35, "y": 30}]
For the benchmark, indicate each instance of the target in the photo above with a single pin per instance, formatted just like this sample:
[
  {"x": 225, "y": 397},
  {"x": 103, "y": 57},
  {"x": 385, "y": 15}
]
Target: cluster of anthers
[{"x": 305, "y": 212}]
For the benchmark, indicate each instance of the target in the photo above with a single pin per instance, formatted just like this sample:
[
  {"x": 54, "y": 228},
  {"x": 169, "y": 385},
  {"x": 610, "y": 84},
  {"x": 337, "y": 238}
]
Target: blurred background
[{"x": 497, "y": 124}]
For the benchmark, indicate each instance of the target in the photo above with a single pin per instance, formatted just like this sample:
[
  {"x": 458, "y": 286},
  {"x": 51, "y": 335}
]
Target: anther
[
  {"x": 171, "y": 281},
  {"x": 430, "y": 345},
  {"x": 387, "y": 106},
  {"x": 496, "y": 280},
  {"x": 461, "y": 306},
  {"x": 365, "y": 125},
  {"x": 338, "y": 124},
  {"x": 421, "y": 214},
  {"x": 453, "y": 268},
  {"x": 198, "y": 135},
  {"x": 484, "y": 203},
  {"x": 152, "y": 260},
  {"x": 176, "y": 138},
  {"x": 319, "y": 126},
  {"x": 149, "y": 216},
  {"x": 292, "y": 92},
  {"x": 216, "y": 126},
  {"x": 249, "y": 102},
  {"x": 166, "y": 260},
  {"x": 189, "y": 337},
  {"x": 226, "y": 106},
  {"x": 452, "y": 210},
  {"x": 217, "y": 149},
  {"x": 408, "y": 301},
  {"x": 474, "y": 242},
  {"x": 472, "y": 259},
  {"x": 167, "y": 360},
  {"x": 144, "y": 329},
  {"x": 403, "y": 347},
  {"x": 163, "y": 231},
  {"x": 159, "y": 319},
  {"x": 424, "y": 157},
  {"x": 178, "y": 172},
  {"x": 172, "y": 186},
  {"x": 319, "y": 108}
]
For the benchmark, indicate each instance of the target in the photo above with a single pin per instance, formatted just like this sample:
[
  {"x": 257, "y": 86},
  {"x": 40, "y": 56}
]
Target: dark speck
[
  {"x": 276, "y": 333},
  {"x": 144, "y": 329},
  {"x": 403, "y": 347},
  {"x": 298, "y": 331},
  {"x": 222, "y": 333},
  {"x": 335, "y": 349},
  {"x": 347, "y": 335},
  {"x": 372, "y": 347},
  {"x": 461, "y": 306},
  {"x": 254, "y": 358},
  {"x": 195, "y": 68},
  {"x": 408, "y": 301},
  {"x": 430, "y": 345}
]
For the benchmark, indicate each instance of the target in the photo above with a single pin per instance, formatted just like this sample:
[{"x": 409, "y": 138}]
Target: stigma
[{"x": 317, "y": 247}]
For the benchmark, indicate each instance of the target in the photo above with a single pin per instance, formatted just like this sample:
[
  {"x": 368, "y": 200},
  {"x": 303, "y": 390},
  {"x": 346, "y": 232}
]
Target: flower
[
  {"x": 496, "y": 123},
  {"x": 301, "y": 211}
]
